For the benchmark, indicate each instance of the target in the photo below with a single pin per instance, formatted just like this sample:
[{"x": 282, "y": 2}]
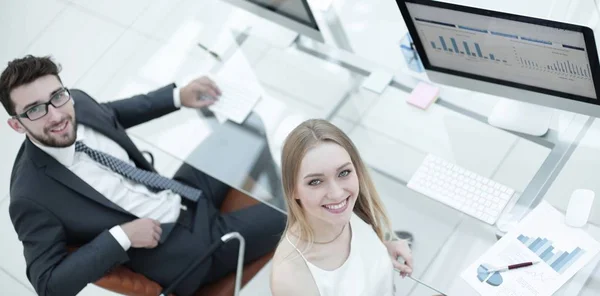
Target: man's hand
[
  {"x": 400, "y": 249},
  {"x": 143, "y": 233},
  {"x": 200, "y": 92}
]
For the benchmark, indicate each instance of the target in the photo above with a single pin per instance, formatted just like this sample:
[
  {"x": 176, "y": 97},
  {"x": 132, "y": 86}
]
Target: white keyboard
[
  {"x": 237, "y": 100},
  {"x": 461, "y": 189}
]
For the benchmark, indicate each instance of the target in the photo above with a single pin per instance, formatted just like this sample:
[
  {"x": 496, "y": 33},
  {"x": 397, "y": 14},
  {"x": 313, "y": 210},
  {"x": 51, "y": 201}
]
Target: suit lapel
[{"x": 60, "y": 173}]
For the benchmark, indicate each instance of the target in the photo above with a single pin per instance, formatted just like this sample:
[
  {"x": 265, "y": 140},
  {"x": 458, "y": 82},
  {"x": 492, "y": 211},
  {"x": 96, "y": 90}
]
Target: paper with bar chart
[
  {"x": 507, "y": 50},
  {"x": 541, "y": 236}
]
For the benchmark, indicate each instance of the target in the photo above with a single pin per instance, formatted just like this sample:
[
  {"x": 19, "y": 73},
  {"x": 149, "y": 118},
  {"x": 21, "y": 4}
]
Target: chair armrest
[
  {"x": 149, "y": 157},
  {"x": 236, "y": 200},
  {"x": 124, "y": 281}
]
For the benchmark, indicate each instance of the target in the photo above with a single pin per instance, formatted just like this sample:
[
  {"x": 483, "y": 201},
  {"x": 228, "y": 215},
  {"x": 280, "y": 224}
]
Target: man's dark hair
[{"x": 23, "y": 71}]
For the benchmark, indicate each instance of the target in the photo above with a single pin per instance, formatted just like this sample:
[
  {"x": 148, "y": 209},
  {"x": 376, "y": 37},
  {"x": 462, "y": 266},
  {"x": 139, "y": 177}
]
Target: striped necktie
[{"x": 152, "y": 180}]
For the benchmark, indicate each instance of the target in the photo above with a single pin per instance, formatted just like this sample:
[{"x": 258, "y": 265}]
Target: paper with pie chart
[{"x": 540, "y": 236}]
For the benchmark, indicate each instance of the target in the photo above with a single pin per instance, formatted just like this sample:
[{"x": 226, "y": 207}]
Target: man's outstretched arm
[
  {"x": 145, "y": 107},
  {"x": 198, "y": 93}
]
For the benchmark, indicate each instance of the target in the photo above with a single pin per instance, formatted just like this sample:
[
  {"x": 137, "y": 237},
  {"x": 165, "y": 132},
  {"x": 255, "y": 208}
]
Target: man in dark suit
[{"x": 79, "y": 180}]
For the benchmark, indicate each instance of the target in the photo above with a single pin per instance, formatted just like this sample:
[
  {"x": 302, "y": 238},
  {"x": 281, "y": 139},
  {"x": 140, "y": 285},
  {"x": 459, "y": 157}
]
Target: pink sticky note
[{"x": 423, "y": 95}]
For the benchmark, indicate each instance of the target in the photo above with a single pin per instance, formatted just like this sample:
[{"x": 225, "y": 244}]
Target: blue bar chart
[
  {"x": 478, "y": 49},
  {"x": 545, "y": 250},
  {"x": 443, "y": 43},
  {"x": 454, "y": 44},
  {"x": 564, "y": 67},
  {"x": 466, "y": 50}
]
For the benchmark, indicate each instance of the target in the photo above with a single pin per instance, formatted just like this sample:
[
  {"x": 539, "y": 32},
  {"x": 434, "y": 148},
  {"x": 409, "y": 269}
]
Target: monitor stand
[
  {"x": 273, "y": 34},
  {"x": 521, "y": 117}
]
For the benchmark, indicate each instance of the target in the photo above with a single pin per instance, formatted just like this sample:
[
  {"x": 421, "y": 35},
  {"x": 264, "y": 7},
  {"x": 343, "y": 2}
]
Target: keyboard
[
  {"x": 461, "y": 189},
  {"x": 237, "y": 99}
]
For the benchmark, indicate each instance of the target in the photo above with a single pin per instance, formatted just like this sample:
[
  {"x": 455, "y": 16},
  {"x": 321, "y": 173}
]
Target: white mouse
[{"x": 579, "y": 208}]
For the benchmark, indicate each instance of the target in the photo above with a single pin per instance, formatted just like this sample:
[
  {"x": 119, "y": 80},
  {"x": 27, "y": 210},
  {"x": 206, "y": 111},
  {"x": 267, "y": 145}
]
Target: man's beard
[{"x": 56, "y": 141}]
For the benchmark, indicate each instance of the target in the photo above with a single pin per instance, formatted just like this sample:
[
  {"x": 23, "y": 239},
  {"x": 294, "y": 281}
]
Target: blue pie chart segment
[{"x": 495, "y": 280}]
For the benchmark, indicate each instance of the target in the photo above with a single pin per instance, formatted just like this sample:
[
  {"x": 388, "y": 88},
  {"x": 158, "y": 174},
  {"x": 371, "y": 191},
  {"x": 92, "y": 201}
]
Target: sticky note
[{"x": 423, "y": 95}]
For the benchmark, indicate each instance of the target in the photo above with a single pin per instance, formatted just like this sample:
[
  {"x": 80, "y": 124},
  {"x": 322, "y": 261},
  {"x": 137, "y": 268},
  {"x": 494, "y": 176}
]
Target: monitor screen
[
  {"x": 503, "y": 49},
  {"x": 297, "y": 10}
]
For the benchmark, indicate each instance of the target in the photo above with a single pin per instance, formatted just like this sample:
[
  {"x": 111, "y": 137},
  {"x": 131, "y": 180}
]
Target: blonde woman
[{"x": 338, "y": 239}]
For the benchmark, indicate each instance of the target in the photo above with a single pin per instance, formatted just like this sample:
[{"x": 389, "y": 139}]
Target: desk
[{"x": 321, "y": 81}]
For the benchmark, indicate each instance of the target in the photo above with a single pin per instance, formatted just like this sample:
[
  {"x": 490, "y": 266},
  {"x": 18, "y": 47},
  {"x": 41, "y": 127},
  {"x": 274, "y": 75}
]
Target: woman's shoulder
[
  {"x": 287, "y": 256},
  {"x": 289, "y": 273}
]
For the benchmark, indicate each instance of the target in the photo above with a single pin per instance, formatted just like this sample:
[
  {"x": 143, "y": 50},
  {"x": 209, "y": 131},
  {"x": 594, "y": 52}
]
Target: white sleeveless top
[{"x": 367, "y": 271}]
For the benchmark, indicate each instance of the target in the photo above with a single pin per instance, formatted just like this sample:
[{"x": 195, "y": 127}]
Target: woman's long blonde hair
[{"x": 306, "y": 136}]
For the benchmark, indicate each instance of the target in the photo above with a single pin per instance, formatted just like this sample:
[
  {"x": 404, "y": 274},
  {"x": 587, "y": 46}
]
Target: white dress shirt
[{"x": 135, "y": 198}]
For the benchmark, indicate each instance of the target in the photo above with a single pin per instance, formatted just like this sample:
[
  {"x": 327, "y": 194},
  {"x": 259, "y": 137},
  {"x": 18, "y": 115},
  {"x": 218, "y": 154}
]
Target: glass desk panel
[{"x": 303, "y": 85}]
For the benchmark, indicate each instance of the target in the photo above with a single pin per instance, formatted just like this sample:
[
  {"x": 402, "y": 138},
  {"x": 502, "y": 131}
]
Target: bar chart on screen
[
  {"x": 464, "y": 48},
  {"x": 564, "y": 67}
]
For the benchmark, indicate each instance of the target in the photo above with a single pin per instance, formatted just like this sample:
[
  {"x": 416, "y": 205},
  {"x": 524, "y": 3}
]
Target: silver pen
[
  {"x": 212, "y": 53},
  {"x": 424, "y": 284}
]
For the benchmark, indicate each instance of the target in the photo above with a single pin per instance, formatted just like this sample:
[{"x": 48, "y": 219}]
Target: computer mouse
[{"x": 579, "y": 207}]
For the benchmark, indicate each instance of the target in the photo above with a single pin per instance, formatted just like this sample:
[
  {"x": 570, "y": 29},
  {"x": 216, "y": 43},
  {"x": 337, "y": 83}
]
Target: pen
[
  {"x": 513, "y": 266},
  {"x": 212, "y": 53},
  {"x": 424, "y": 284}
]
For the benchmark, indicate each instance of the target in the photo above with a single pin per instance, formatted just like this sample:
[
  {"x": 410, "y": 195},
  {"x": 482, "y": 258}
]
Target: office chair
[{"x": 127, "y": 282}]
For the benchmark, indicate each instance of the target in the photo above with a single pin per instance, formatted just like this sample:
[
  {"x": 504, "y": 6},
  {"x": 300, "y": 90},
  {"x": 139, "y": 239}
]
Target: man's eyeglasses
[{"x": 38, "y": 111}]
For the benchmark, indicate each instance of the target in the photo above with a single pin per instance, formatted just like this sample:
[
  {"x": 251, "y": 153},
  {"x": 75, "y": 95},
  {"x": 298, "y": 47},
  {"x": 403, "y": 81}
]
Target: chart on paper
[
  {"x": 541, "y": 236},
  {"x": 545, "y": 251},
  {"x": 484, "y": 276}
]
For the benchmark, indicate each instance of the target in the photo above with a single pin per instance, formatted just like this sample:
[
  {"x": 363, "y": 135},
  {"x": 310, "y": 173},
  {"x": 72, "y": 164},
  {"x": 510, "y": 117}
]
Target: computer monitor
[
  {"x": 517, "y": 57},
  {"x": 292, "y": 14}
]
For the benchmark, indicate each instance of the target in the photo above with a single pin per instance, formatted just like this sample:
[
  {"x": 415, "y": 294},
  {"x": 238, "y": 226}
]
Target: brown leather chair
[{"x": 124, "y": 281}]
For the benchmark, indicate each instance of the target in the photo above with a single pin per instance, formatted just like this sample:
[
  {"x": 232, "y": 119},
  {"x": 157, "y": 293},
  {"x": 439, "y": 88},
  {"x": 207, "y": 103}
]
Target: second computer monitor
[{"x": 292, "y": 14}]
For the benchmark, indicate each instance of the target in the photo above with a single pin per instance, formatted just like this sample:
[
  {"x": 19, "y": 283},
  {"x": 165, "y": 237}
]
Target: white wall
[{"x": 10, "y": 143}]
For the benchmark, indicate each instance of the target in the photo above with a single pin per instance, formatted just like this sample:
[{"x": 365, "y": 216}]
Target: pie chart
[{"x": 494, "y": 280}]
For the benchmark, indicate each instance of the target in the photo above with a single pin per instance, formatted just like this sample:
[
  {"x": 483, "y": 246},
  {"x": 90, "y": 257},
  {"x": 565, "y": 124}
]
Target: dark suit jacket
[{"x": 51, "y": 208}]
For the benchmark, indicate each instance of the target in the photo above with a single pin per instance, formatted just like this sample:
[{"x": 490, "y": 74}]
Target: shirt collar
[{"x": 64, "y": 155}]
